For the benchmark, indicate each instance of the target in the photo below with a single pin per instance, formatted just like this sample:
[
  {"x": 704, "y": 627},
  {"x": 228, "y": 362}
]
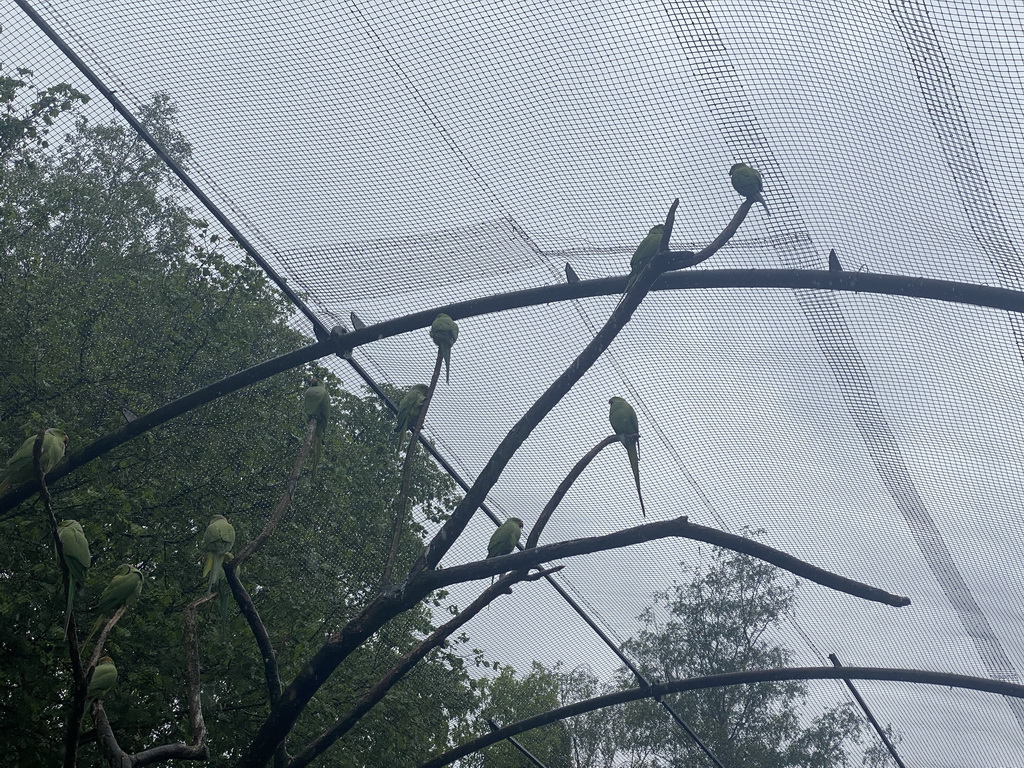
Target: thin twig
[
  {"x": 193, "y": 677},
  {"x": 78, "y": 681},
  {"x": 369, "y": 699},
  {"x": 656, "y": 690},
  {"x": 563, "y": 489},
  {"x": 97, "y": 649},
  {"x": 403, "y": 493},
  {"x": 282, "y": 505}
]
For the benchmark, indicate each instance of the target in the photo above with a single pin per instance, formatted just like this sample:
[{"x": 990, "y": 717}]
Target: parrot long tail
[
  {"x": 634, "y": 462},
  {"x": 760, "y": 198},
  {"x": 447, "y": 352},
  {"x": 222, "y": 598},
  {"x": 71, "y": 602},
  {"x": 215, "y": 565},
  {"x": 93, "y": 631},
  {"x": 318, "y": 449}
]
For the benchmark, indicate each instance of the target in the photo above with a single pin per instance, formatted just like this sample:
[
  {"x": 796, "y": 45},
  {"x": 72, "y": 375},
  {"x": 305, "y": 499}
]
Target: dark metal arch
[
  {"x": 918, "y": 676},
  {"x": 336, "y": 343}
]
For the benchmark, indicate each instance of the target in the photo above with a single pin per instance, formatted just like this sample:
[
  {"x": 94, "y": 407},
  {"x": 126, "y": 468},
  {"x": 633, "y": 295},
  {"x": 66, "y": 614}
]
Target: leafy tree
[
  {"x": 116, "y": 297},
  {"x": 715, "y": 624},
  {"x": 508, "y": 698}
]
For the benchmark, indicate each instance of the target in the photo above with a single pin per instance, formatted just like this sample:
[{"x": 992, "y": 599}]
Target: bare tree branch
[
  {"x": 198, "y": 750},
  {"x": 369, "y": 699},
  {"x": 259, "y": 632},
  {"x": 294, "y": 698},
  {"x": 116, "y": 757},
  {"x": 403, "y": 493},
  {"x": 655, "y": 690},
  {"x": 282, "y": 505},
  {"x": 563, "y": 488},
  {"x": 78, "y": 680},
  {"x": 97, "y": 650},
  {"x": 427, "y": 581}
]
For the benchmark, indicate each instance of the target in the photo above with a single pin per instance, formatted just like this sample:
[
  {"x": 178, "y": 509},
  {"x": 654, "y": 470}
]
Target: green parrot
[
  {"x": 316, "y": 404},
  {"x": 124, "y": 589},
  {"x": 409, "y": 410},
  {"x": 20, "y": 468},
  {"x": 625, "y": 425},
  {"x": 747, "y": 181},
  {"x": 445, "y": 332},
  {"x": 645, "y": 253},
  {"x": 104, "y": 676},
  {"x": 217, "y": 543},
  {"x": 77, "y": 558},
  {"x": 504, "y": 540}
]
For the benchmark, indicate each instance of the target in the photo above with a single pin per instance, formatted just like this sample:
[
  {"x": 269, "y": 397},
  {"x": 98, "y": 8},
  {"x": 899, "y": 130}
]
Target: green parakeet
[
  {"x": 625, "y": 425},
  {"x": 645, "y": 253},
  {"x": 104, "y": 676},
  {"x": 77, "y": 558},
  {"x": 504, "y": 540},
  {"x": 316, "y": 404},
  {"x": 444, "y": 331},
  {"x": 747, "y": 181},
  {"x": 409, "y": 410},
  {"x": 20, "y": 468},
  {"x": 217, "y": 543},
  {"x": 124, "y": 589}
]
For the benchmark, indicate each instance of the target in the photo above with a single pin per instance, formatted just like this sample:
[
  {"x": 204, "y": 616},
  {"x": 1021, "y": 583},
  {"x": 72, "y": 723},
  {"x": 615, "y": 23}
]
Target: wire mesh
[{"x": 389, "y": 158}]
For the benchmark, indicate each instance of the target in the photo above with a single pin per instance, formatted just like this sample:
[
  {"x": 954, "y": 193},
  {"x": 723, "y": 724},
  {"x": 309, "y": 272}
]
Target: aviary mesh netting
[{"x": 387, "y": 158}]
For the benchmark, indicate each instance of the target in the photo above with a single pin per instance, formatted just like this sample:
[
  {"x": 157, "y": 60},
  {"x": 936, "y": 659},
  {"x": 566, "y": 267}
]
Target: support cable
[{"x": 871, "y": 718}]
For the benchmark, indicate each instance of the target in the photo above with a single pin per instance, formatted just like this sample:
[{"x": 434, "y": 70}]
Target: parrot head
[
  {"x": 735, "y": 168},
  {"x": 58, "y": 433}
]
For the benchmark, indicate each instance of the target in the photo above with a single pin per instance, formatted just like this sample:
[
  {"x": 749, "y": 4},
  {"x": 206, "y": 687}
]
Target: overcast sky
[{"x": 394, "y": 157}]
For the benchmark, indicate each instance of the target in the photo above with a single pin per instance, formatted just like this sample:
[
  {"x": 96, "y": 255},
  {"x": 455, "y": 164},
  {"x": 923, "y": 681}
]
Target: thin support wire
[{"x": 871, "y": 718}]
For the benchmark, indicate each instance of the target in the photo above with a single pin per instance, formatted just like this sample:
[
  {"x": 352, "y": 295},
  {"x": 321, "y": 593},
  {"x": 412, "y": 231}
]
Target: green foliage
[
  {"x": 510, "y": 698},
  {"x": 719, "y": 623},
  {"x": 117, "y": 296},
  {"x": 716, "y": 623}
]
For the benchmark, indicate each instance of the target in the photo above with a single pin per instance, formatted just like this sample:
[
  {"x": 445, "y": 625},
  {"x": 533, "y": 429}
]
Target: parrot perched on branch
[
  {"x": 104, "y": 676},
  {"x": 316, "y": 404},
  {"x": 445, "y": 332},
  {"x": 124, "y": 589},
  {"x": 645, "y": 253},
  {"x": 217, "y": 543},
  {"x": 20, "y": 467},
  {"x": 504, "y": 540},
  {"x": 409, "y": 410},
  {"x": 77, "y": 558},
  {"x": 627, "y": 428},
  {"x": 747, "y": 181}
]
